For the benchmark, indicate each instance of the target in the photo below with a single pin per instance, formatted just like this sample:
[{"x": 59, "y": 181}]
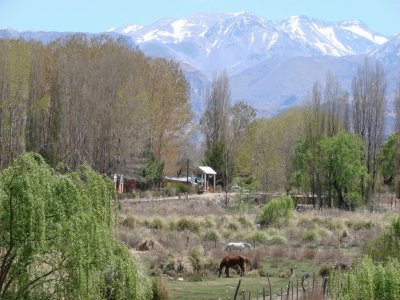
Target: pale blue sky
[{"x": 382, "y": 16}]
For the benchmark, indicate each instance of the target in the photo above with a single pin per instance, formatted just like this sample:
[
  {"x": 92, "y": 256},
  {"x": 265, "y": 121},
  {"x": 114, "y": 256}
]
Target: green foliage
[
  {"x": 310, "y": 236},
  {"x": 160, "y": 291},
  {"x": 367, "y": 281},
  {"x": 57, "y": 236},
  {"x": 281, "y": 207},
  {"x": 212, "y": 236},
  {"x": 186, "y": 224},
  {"x": 215, "y": 157},
  {"x": 259, "y": 237},
  {"x": 387, "y": 159},
  {"x": 195, "y": 257},
  {"x": 344, "y": 169},
  {"x": 325, "y": 269},
  {"x": 387, "y": 245},
  {"x": 336, "y": 165},
  {"x": 152, "y": 171}
]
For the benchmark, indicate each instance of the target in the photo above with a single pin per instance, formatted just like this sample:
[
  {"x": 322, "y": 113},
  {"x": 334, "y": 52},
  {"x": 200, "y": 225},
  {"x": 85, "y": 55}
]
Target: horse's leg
[
  {"x": 227, "y": 271},
  {"x": 241, "y": 270},
  {"x": 220, "y": 272}
]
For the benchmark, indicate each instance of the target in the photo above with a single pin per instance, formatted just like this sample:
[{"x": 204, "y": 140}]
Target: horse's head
[{"x": 247, "y": 245}]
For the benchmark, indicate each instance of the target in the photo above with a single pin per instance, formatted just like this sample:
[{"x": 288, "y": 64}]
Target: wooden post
[
  {"x": 270, "y": 289},
  {"x": 237, "y": 289},
  {"x": 313, "y": 281},
  {"x": 249, "y": 295},
  {"x": 263, "y": 293},
  {"x": 292, "y": 288},
  {"x": 324, "y": 287},
  {"x": 297, "y": 289},
  {"x": 187, "y": 242},
  {"x": 281, "y": 293}
]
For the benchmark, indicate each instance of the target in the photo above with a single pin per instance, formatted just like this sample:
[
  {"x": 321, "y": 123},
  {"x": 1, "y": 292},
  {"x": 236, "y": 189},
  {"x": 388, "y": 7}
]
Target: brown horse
[{"x": 232, "y": 262}]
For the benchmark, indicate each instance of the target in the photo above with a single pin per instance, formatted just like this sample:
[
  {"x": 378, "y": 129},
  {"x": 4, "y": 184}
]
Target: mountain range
[{"x": 271, "y": 64}]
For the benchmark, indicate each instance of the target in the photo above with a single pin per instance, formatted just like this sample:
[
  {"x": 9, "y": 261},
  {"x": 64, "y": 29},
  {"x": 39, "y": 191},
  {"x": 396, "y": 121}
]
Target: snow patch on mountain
[{"x": 357, "y": 28}]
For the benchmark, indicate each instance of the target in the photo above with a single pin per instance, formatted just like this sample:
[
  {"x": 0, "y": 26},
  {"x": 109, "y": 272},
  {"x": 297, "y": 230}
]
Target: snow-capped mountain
[
  {"x": 238, "y": 41},
  {"x": 389, "y": 53}
]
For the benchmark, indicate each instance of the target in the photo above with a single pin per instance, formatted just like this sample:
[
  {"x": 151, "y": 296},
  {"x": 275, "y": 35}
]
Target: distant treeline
[{"x": 92, "y": 100}]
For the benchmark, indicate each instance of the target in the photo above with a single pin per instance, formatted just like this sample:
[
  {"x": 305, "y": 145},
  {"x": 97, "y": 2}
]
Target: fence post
[
  {"x": 281, "y": 293},
  {"x": 297, "y": 289},
  {"x": 237, "y": 289},
  {"x": 292, "y": 288},
  {"x": 313, "y": 281},
  {"x": 324, "y": 287},
  {"x": 270, "y": 289},
  {"x": 187, "y": 241},
  {"x": 263, "y": 293}
]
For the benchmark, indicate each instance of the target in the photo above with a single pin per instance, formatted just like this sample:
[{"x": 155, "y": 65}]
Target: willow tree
[{"x": 57, "y": 236}]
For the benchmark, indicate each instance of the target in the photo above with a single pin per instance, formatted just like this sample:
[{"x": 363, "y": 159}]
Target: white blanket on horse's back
[{"x": 237, "y": 246}]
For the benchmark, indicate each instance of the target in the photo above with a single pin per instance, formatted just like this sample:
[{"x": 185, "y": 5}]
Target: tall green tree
[{"x": 344, "y": 170}]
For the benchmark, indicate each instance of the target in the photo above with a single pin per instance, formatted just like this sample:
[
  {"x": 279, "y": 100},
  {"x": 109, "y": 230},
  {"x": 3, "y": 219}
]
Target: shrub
[
  {"x": 387, "y": 245},
  {"x": 233, "y": 226},
  {"x": 281, "y": 207},
  {"x": 259, "y": 237},
  {"x": 310, "y": 236},
  {"x": 244, "y": 221},
  {"x": 186, "y": 224},
  {"x": 195, "y": 258},
  {"x": 160, "y": 292},
  {"x": 276, "y": 240},
  {"x": 325, "y": 269},
  {"x": 368, "y": 281},
  {"x": 157, "y": 224},
  {"x": 212, "y": 236},
  {"x": 130, "y": 221}
]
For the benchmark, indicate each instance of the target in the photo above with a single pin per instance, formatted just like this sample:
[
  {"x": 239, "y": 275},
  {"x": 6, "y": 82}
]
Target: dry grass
[{"x": 179, "y": 227}]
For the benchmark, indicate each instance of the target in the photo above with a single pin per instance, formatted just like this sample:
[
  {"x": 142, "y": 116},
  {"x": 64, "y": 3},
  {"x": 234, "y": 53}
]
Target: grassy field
[{"x": 189, "y": 237}]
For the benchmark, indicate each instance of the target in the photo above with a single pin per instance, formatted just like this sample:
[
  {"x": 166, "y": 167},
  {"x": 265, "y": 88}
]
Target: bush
[
  {"x": 276, "y": 240},
  {"x": 259, "y": 237},
  {"x": 212, "y": 236},
  {"x": 310, "y": 236},
  {"x": 195, "y": 258},
  {"x": 244, "y": 222},
  {"x": 160, "y": 292},
  {"x": 325, "y": 269},
  {"x": 190, "y": 225},
  {"x": 130, "y": 221},
  {"x": 368, "y": 281},
  {"x": 157, "y": 224},
  {"x": 281, "y": 207},
  {"x": 387, "y": 245}
]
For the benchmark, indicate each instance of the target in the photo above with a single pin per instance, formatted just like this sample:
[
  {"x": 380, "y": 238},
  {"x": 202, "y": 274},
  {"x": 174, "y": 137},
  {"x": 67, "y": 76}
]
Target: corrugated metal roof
[{"x": 207, "y": 170}]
